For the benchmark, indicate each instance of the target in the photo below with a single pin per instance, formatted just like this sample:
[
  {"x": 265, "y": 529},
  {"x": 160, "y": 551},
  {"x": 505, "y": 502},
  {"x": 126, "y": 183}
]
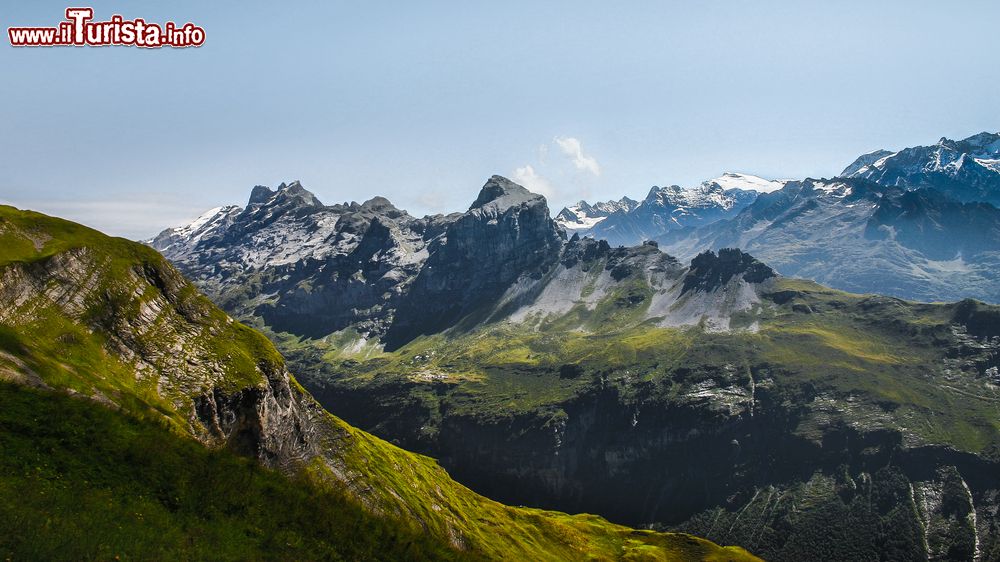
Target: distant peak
[
  {"x": 299, "y": 195},
  {"x": 866, "y": 159},
  {"x": 746, "y": 182},
  {"x": 261, "y": 194},
  {"x": 503, "y": 193},
  {"x": 378, "y": 204},
  {"x": 983, "y": 140},
  {"x": 656, "y": 190}
]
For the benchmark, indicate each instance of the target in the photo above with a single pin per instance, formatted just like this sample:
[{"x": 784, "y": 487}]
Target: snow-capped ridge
[
  {"x": 747, "y": 182},
  {"x": 965, "y": 169},
  {"x": 584, "y": 216}
]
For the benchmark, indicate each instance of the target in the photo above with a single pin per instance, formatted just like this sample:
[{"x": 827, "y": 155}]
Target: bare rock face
[
  {"x": 506, "y": 234},
  {"x": 303, "y": 266},
  {"x": 710, "y": 271}
]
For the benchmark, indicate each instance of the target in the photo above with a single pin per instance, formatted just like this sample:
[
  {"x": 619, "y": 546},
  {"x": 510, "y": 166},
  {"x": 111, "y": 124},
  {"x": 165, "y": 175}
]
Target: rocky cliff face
[
  {"x": 706, "y": 465},
  {"x": 166, "y": 341},
  {"x": 506, "y": 234}
]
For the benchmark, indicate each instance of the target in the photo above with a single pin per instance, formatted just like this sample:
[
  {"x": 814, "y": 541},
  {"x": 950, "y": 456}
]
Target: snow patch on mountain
[
  {"x": 747, "y": 182},
  {"x": 992, "y": 164},
  {"x": 190, "y": 234}
]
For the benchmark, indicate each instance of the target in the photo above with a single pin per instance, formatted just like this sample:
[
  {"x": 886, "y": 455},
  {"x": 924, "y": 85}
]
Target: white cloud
[
  {"x": 571, "y": 147},
  {"x": 529, "y": 178}
]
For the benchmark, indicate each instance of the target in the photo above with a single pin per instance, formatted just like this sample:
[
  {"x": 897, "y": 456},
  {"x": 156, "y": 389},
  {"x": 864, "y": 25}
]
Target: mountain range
[
  {"x": 711, "y": 395},
  {"x": 920, "y": 223},
  {"x": 627, "y": 222}
]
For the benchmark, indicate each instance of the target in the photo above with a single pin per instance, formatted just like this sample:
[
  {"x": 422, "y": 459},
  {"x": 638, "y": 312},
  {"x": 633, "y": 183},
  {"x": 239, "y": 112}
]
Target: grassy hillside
[
  {"x": 79, "y": 481},
  {"x": 114, "y": 471}
]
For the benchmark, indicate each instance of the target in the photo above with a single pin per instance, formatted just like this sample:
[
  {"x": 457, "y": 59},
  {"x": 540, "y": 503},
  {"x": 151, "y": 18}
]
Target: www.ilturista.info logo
[{"x": 78, "y": 30}]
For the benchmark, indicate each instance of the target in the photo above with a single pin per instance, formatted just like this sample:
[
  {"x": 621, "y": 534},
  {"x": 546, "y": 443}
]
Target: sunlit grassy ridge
[
  {"x": 114, "y": 472},
  {"x": 79, "y": 481}
]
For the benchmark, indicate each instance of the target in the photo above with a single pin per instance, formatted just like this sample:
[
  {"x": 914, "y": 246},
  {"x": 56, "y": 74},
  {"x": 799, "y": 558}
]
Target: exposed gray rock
[{"x": 314, "y": 270}]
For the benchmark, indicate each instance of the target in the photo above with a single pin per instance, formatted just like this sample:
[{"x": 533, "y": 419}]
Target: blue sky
[{"x": 422, "y": 101}]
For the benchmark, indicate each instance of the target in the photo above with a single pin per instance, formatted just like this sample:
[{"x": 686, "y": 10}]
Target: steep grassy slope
[
  {"x": 113, "y": 324},
  {"x": 80, "y": 481}
]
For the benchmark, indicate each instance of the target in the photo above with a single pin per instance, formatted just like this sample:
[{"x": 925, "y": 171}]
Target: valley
[{"x": 716, "y": 397}]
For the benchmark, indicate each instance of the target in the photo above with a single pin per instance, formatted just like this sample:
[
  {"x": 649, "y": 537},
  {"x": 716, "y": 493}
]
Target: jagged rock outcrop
[
  {"x": 710, "y": 271},
  {"x": 506, "y": 234}
]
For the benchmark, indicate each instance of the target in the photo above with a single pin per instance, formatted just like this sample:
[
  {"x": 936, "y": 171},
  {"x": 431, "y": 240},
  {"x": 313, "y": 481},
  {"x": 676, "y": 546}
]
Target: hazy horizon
[{"x": 421, "y": 104}]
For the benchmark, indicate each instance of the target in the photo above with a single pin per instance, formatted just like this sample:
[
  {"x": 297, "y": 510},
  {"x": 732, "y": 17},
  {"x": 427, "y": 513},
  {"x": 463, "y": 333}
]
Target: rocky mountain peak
[
  {"x": 656, "y": 193},
  {"x": 506, "y": 235},
  {"x": 985, "y": 140},
  {"x": 584, "y": 216},
  {"x": 382, "y": 206},
  {"x": 967, "y": 170},
  {"x": 260, "y": 194},
  {"x": 710, "y": 271},
  {"x": 746, "y": 182},
  {"x": 500, "y": 193},
  {"x": 866, "y": 159},
  {"x": 296, "y": 194}
]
